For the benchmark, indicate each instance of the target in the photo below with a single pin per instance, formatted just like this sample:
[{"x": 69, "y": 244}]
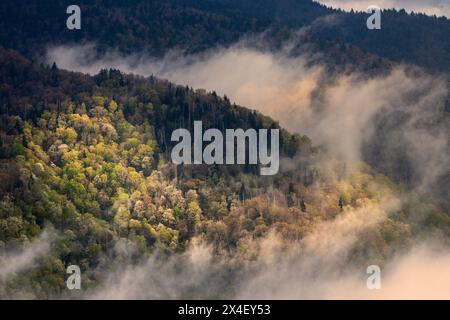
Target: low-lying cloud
[
  {"x": 316, "y": 267},
  {"x": 24, "y": 258}
]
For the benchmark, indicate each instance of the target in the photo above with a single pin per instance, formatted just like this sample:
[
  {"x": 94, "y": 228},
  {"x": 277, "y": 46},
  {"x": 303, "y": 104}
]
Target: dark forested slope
[{"x": 156, "y": 26}]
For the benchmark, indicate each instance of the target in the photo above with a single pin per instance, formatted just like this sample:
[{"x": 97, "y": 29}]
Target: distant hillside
[{"x": 157, "y": 26}]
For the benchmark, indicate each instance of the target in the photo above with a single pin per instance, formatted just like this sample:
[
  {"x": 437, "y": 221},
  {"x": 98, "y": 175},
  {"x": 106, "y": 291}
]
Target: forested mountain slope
[
  {"x": 85, "y": 159},
  {"x": 86, "y": 177}
]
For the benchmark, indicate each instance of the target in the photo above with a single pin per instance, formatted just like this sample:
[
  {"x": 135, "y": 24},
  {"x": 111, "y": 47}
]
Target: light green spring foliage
[{"x": 97, "y": 180}]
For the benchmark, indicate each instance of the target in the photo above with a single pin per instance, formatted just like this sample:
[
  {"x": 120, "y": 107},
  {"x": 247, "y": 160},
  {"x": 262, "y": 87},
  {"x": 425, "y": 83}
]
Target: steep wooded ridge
[
  {"x": 84, "y": 158},
  {"x": 158, "y": 26}
]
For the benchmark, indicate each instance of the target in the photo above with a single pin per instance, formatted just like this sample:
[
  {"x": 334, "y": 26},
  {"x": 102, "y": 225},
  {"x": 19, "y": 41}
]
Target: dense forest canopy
[
  {"x": 86, "y": 177},
  {"x": 87, "y": 155}
]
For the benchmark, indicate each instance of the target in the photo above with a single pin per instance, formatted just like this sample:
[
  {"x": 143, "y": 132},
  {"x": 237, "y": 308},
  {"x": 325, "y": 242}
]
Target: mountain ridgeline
[{"x": 156, "y": 27}]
